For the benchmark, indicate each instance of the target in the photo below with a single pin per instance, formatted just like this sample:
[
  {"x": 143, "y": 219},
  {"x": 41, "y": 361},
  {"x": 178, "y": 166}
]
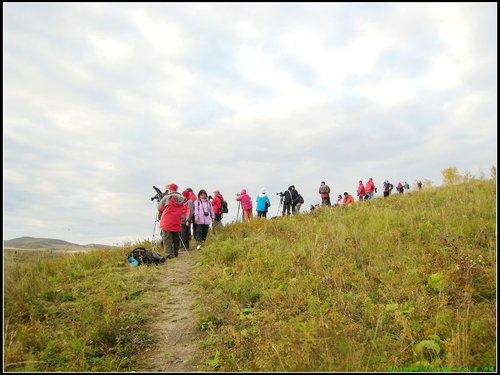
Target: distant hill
[{"x": 48, "y": 243}]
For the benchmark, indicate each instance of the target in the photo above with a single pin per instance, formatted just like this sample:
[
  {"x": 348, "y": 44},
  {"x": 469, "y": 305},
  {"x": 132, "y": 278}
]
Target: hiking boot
[{"x": 170, "y": 256}]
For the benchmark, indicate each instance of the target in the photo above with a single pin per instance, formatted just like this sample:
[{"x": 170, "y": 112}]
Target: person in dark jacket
[
  {"x": 287, "y": 200},
  {"x": 387, "y": 188},
  {"x": 171, "y": 207},
  {"x": 297, "y": 200},
  {"x": 186, "y": 219}
]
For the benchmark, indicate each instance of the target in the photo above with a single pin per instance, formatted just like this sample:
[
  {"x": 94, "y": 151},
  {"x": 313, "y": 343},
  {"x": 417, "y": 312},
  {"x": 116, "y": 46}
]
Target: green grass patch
[
  {"x": 406, "y": 281},
  {"x": 75, "y": 312}
]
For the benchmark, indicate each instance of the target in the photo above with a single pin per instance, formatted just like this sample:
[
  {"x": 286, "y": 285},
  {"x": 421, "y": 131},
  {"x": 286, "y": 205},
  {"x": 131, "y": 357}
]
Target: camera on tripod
[
  {"x": 159, "y": 195},
  {"x": 280, "y": 194}
]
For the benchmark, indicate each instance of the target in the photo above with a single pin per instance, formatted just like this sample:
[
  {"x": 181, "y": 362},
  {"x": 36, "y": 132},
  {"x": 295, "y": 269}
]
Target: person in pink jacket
[{"x": 246, "y": 204}]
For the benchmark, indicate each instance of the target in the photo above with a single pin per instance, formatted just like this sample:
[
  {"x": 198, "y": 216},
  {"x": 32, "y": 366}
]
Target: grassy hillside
[
  {"x": 84, "y": 311},
  {"x": 47, "y": 243},
  {"x": 402, "y": 283}
]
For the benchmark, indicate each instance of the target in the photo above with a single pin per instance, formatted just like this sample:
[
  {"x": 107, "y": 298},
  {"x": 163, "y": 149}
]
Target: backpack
[
  {"x": 299, "y": 199},
  {"x": 324, "y": 189},
  {"x": 225, "y": 210},
  {"x": 140, "y": 256}
]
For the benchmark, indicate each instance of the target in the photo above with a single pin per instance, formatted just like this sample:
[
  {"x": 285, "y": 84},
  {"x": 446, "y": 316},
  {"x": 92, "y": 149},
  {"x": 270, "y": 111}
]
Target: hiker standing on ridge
[
  {"x": 400, "y": 188},
  {"x": 370, "y": 189},
  {"x": 171, "y": 207},
  {"x": 297, "y": 200},
  {"x": 246, "y": 204},
  {"x": 217, "y": 206},
  {"x": 203, "y": 216},
  {"x": 361, "y": 191},
  {"x": 287, "y": 200},
  {"x": 387, "y": 188},
  {"x": 186, "y": 219},
  {"x": 324, "y": 192},
  {"x": 263, "y": 203},
  {"x": 192, "y": 198}
]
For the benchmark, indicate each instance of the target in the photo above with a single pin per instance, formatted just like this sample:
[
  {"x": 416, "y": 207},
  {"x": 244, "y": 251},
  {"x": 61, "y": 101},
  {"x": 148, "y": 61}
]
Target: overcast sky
[{"x": 103, "y": 101}]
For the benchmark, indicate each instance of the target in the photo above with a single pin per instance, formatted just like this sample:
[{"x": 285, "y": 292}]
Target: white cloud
[
  {"x": 164, "y": 37},
  {"x": 102, "y": 101},
  {"x": 112, "y": 49}
]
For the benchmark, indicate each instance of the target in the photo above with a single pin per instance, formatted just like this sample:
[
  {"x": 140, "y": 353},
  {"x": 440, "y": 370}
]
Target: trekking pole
[{"x": 183, "y": 245}]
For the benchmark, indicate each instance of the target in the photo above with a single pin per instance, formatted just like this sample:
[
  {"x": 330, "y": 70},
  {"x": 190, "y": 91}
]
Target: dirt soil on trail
[{"x": 175, "y": 323}]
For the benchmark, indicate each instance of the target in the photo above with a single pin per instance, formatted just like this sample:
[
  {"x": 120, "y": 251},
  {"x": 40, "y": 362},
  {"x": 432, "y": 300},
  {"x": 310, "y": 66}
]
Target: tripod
[
  {"x": 238, "y": 213},
  {"x": 153, "y": 242},
  {"x": 280, "y": 206}
]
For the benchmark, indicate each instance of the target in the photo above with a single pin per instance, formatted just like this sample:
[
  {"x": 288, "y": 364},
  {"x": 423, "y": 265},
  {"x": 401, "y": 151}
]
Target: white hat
[{"x": 262, "y": 191}]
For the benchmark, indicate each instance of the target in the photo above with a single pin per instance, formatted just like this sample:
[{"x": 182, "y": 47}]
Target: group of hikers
[
  {"x": 364, "y": 192},
  {"x": 183, "y": 214}
]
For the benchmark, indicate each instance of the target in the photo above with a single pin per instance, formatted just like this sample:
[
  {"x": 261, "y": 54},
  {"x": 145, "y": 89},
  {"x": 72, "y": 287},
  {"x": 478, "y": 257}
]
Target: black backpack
[
  {"x": 299, "y": 199},
  {"x": 144, "y": 256},
  {"x": 225, "y": 210}
]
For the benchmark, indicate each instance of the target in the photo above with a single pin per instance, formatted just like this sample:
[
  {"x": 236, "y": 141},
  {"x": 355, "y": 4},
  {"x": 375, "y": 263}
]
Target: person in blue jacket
[{"x": 263, "y": 203}]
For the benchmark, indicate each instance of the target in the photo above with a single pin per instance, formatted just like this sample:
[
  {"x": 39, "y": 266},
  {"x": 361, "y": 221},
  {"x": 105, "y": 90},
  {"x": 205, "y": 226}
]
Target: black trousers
[
  {"x": 186, "y": 234},
  {"x": 201, "y": 232},
  {"x": 286, "y": 207},
  {"x": 170, "y": 243}
]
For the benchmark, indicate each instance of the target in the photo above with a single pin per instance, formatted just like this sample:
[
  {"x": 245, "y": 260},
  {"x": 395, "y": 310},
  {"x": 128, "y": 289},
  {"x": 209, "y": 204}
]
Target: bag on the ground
[
  {"x": 225, "y": 210},
  {"x": 140, "y": 256}
]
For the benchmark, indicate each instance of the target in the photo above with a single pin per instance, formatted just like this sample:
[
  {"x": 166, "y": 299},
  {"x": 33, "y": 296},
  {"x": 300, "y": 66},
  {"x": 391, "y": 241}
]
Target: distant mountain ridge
[{"x": 48, "y": 243}]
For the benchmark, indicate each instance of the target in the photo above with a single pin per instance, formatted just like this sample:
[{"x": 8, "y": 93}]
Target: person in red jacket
[
  {"x": 370, "y": 189},
  {"x": 348, "y": 199},
  {"x": 217, "y": 206},
  {"x": 171, "y": 207},
  {"x": 361, "y": 191},
  {"x": 400, "y": 188}
]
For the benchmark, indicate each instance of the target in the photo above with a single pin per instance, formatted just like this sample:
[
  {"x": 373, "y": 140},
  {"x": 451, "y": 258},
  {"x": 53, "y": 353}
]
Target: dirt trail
[{"x": 175, "y": 325}]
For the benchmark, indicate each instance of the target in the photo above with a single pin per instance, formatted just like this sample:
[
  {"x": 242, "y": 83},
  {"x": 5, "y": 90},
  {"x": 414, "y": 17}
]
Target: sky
[{"x": 101, "y": 101}]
